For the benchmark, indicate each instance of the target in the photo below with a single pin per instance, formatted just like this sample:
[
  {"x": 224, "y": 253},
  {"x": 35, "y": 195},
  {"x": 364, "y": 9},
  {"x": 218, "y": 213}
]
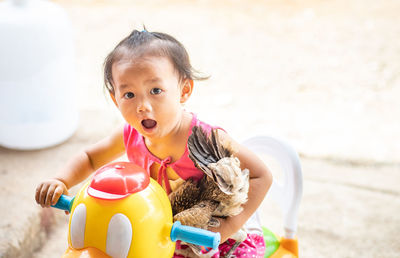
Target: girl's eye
[
  {"x": 155, "y": 91},
  {"x": 129, "y": 95}
]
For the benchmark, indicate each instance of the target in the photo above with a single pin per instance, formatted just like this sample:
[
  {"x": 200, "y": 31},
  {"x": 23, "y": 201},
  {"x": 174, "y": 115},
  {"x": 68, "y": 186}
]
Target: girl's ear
[
  {"x": 186, "y": 90},
  {"x": 113, "y": 98}
]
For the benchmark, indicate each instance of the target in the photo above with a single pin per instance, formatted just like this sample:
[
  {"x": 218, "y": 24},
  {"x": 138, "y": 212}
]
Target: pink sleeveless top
[{"x": 138, "y": 153}]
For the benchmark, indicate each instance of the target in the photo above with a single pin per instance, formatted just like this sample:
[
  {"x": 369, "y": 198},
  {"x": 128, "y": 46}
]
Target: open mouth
[{"x": 149, "y": 123}]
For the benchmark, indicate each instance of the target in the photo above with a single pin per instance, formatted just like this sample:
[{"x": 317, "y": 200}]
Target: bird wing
[{"x": 204, "y": 150}]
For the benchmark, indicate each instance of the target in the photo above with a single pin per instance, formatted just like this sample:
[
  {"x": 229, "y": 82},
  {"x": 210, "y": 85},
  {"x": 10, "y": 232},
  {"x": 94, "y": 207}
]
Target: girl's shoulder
[
  {"x": 223, "y": 135},
  {"x": 205, "y": 126}
]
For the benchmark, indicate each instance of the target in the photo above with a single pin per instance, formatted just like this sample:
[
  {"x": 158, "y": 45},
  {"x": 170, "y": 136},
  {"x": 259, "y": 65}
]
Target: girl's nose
[{"x": 144, "y": 106}]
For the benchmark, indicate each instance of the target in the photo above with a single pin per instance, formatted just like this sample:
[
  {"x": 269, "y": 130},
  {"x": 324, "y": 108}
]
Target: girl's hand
[
  {"x": 225, "y": 228},
  {"x": 49, "y": 191}
]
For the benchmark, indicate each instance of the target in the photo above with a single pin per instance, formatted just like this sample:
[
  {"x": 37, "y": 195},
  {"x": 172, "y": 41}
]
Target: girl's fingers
[
  {"x": 57, "y": 193},
  {"x": 48, "y": 192},
  {"x": 37, "y": 194},
  {"x": 43, "y": 194},
  {"x": 49, "y": 196}
]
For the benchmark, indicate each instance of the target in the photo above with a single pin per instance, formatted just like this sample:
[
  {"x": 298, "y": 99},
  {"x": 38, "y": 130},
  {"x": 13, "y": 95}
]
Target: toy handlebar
[
  {"x": 64, "y": 203},
  {"x": 194, "y": 235},
  {"x": 187, "y": 234}
]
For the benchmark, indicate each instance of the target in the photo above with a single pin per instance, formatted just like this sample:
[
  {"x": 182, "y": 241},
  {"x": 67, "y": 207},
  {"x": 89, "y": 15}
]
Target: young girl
[{"x": 149, "y": 77}]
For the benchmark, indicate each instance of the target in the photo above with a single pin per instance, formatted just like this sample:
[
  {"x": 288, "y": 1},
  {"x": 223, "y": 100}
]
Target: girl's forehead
[
  {"x": 144, "y": 63},
  {"x": 144, "y": 68}
]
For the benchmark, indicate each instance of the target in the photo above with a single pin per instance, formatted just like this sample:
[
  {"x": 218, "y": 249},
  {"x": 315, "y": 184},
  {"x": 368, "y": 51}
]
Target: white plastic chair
[{"x": 287, "y": 193}]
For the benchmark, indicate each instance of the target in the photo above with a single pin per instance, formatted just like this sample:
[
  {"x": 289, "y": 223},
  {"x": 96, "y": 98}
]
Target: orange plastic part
[
  {"x": 288, "y": 248},
  {"x": 291, "y": 245}
]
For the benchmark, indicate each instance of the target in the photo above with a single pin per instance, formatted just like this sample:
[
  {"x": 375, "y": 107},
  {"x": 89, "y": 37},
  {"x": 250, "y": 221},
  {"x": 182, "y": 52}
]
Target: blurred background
[{"x": 323, "y": 74}]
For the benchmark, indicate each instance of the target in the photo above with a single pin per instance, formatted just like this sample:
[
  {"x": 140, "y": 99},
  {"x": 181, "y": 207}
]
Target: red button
[{"x": 118, "y": 180}]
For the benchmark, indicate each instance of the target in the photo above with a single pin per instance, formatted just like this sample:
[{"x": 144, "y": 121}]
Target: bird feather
[{"x": 220, "y": 193}]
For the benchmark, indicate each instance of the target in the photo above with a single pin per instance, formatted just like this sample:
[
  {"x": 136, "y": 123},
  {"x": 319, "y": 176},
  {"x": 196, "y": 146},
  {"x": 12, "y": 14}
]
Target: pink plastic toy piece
[{"x": 118, "y": 180}]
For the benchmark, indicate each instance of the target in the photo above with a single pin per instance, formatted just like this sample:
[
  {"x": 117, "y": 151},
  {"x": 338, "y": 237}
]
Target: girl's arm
[
  {"x": 80, "y": 167},
  {"x": 260, "y": 182}
]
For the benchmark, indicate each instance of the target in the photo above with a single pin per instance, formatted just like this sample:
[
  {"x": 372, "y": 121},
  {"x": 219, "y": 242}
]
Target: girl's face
[{"x": 148, "y": 93}]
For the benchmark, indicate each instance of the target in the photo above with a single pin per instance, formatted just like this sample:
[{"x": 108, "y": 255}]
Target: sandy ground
[
  {"x": 346, "y": 210},
  {"x": 322, "y": 74}
]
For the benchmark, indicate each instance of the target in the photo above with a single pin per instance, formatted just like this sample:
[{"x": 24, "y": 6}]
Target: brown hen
[{"x": 219, "y": 194}]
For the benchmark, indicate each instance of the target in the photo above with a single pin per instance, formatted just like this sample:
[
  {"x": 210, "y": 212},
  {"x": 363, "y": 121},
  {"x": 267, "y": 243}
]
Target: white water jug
[{"x": 37, "y": 78}]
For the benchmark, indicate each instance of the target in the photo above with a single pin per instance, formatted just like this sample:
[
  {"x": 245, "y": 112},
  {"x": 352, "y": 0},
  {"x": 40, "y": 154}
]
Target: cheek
[
  {"x": 165, "y": 103},
  {"x": 166, "y": 111},
  {"x": 127, "y": 110}
]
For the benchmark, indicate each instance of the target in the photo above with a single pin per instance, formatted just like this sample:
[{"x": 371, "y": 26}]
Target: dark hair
[{"x": 140, "y": 43}]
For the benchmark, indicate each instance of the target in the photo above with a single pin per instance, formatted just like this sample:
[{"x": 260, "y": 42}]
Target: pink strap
[{"x": 162, "y": 174}]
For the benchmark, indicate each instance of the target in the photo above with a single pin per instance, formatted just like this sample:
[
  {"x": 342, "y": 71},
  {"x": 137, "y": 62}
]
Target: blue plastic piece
[
  {"x": 195, "y": 236},
  {"x": 64, "y": 203}
]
